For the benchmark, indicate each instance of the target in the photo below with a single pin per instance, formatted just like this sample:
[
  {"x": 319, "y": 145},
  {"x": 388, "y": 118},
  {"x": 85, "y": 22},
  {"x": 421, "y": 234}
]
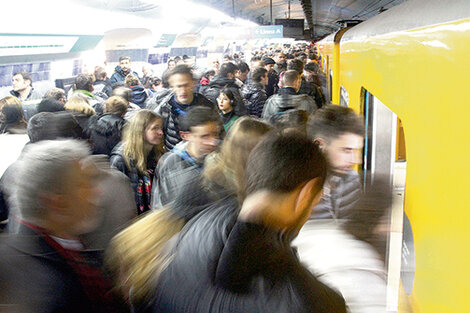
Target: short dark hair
[
  {"x": 226, "y": 68},
  {"x": 199, "y": 115},
  {"x": 51, "y": 126},
  {"x": 312, "y": 67},
  {"x": 50, "y": 105},
  {"x": 258, "y": 73},
  {"x": 332, "y": 121},
  {"x": 122, "y": 58},
  {"x": 56, "y": 93},
  {"x": 83, "y": 81},
  {"x": 243, "y": 67},
  {"x": 181, "y": 69},
  {"x": 123, "y": 92},
  {"x": 26, "y": 76},
  {"x": 296, "y": 65},
  {"x": 209, "y": 73},
  {"x": 290, "y": 77},
  {"x": 100, "y": 73},
  {"x": 292, "y": 120},
  {"x": 282, "y": 162}
]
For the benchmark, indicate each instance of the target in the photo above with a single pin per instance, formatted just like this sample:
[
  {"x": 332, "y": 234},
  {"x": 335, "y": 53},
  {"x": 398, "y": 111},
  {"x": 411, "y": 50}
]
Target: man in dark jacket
[
  {"x": 339, "y": 132},
  {"x": 183, "y": 165},
  {"x": 254, "y": 92},
  {"x": 102, "y": 83},
  {"x": 228, "y": 259},
  {"x": 273, "y": 76},
  {"x": 45, "y": 267},
  {"x": 122, "y": 70},
  {"x": 176, "y": 105},
  {"x": 226, "y": 78},
  {"x": 287, "y": 99}
]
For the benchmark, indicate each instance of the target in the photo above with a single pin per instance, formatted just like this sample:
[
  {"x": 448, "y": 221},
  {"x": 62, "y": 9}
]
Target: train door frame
[{"x": 380, "y": 158}]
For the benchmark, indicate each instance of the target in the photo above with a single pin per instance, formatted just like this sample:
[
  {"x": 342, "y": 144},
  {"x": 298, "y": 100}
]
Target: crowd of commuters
[{"x": 214, "y": 173}]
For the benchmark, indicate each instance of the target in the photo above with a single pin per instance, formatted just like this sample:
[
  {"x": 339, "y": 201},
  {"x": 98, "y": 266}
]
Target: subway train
[{"x": 406, "y": 71}]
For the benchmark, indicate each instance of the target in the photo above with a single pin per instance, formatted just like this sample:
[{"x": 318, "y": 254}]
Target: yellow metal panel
[{"x": 423, "y": 76}]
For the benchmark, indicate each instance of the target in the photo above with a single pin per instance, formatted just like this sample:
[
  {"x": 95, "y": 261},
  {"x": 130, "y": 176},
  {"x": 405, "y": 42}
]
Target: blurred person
[
  {"x": 224, "y": 171},
  {"x": 293, "y": 120},
  {"x": 84, "y": 86},
  {"x": 126, "y": 93},
  {"x": 339, "y": 132},
  {"x": 174, "y": 107},
  {"x": 311, "y": 84},
  {"x": 227, "y": 108},
  {"x": 214, "y": 65},
  {"x": 255, "y": 62},
  {"x": 183, "y": 164},
  {"x": 154, "y": 84},
  {"x": 12, "y": 118},
  {"x": 45, "y": 267},
  {"x": 232, "y": 259},
  {"x": 122, "y": 70},
  {"x": 50, "y": 105},
  {"x": 349, "y": 255},
  {"x": 105, "y": 129},
  {"x": 139, "y": 93},
  {"x": 288, "y": 99},
  {"x": 205, "y": 80},
  {"x": 280, "y": 59},
  {"x": 147, "y": 72},
  {"x": 56, "y": 94},
  {"x": 254, "y": 92},
  {"x": 12, "y": 131},
  {"x": 273, "y": 79},
  {"x": 138, "y": 153},
  {"x": 80, "y": 107},
  {"x": 102, "y": 84},
  {"x": 22, "y": 84}
]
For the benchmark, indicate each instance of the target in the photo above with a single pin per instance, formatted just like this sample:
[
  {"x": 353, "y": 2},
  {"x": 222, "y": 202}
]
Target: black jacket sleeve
[{"x": 254, "y": 250}]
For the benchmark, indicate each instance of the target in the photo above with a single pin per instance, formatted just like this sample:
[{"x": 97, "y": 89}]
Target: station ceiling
[{"x": 322, "y": 17}]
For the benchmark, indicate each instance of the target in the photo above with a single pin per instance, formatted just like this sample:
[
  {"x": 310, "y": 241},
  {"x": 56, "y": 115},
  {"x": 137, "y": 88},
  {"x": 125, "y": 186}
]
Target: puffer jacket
[
  {"x": 287, "y": 99},
  {"x": 119, "y": 76},
  {"x": 171, "y": 112},
  {"x": 217, "y": 84},
  {"x": 105, "y": 132},
  {"x": 344, "y": 192},
  {"x": 255, "y": 96},
  {"x": 224, "y": 265}
]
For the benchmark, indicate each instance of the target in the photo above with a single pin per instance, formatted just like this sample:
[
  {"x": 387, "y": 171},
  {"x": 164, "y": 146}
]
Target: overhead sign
[{"x": 272, "y": 31}]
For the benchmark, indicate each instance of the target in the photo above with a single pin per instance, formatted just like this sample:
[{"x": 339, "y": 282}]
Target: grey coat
[{"x": 286, "y": 100}]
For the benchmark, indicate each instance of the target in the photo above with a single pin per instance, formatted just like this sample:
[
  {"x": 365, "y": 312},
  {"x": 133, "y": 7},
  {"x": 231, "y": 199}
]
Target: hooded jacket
[
  {"x": 287, "y": 99},
  {"x": 105, "y": 132},
  {"x": 119, "y": 76},
  {"x": 139, "y": 96},
  {"x": 223, "y": 265},
  {"x": 255, "y": 96}
]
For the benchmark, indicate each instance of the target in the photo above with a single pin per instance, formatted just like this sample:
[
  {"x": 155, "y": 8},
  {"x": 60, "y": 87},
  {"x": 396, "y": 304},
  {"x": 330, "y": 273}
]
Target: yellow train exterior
[{"x": 415, "y": 59}]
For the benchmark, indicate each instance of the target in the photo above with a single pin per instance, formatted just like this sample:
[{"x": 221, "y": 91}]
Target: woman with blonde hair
[
  {"x": 224, "y": 172},
  {"x": 138, "y": 153},
  {"x": 79, "y": 103}
]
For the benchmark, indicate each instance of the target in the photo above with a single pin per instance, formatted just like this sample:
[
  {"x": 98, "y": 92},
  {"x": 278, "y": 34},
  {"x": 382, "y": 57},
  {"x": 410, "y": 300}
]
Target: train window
[
  {"x": 330, "y": 86},
  {"x": 385, "y": 156}
]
